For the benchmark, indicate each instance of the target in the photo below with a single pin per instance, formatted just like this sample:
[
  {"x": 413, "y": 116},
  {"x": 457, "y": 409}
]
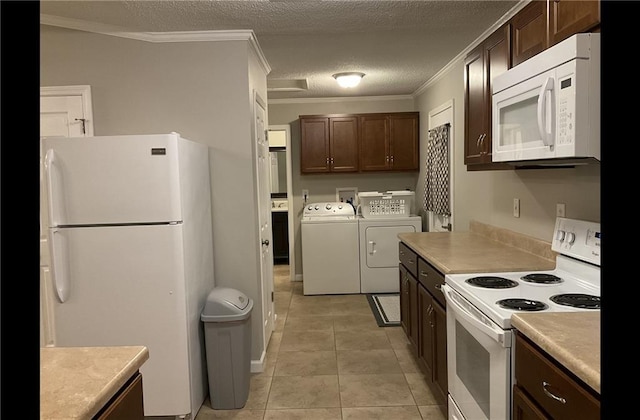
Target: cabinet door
[
  {"x": 475, "y": 117},
  {"x": 439, "y": 316},
  {"x": 314, "y": 145},
  {"x": 404, "y": 300},
  {"x": 529, "y": 31},
  {"x": 404, "y": 141},
  {"x": 413, "y": 311},
  {"x": 426, "y": 343},
  {"x": 482, "y": 65},
  {"x": 569, "y": 17},
  {"x": 374, "y": 143},
  {"x": 497, "y": 61},
  {"x": 280, "y": 226},
  {"x": 343, "y": 140},
  {"x": 127, "y": 405},
  {"x": 524, "y": 408}
]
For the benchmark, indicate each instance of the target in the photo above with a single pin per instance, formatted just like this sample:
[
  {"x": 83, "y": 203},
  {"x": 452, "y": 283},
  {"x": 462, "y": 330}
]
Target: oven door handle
[{"x": 494, "y": 332}]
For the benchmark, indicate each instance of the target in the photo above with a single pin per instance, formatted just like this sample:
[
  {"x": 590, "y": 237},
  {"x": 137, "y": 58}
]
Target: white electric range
[{"x": 479, "y": 309}]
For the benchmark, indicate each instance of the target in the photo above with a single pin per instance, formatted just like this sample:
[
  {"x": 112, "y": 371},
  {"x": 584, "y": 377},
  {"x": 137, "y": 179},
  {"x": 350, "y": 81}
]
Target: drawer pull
[
  {"x": 424, "y": 273},
  {"x": 439, "y": 286},
  {"x": 550, "y": 395},
  {"x": 411, "y": 261}
]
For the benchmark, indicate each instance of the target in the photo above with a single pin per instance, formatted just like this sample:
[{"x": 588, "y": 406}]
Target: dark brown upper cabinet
[
  {"x": 389, "y": 142},
  {"x": 328, "y": 144}
]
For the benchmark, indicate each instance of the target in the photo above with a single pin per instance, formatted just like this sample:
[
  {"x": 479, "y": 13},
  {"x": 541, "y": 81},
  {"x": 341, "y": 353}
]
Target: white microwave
[{"x": 546, "y": 110}]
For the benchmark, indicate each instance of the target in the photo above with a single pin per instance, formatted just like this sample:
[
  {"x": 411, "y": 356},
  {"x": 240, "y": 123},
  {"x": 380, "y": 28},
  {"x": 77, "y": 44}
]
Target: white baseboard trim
[{"x": 257, "y": 366}]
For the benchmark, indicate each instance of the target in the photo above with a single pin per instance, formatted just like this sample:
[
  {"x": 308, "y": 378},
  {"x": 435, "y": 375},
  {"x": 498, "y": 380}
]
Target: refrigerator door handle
[
  {"x": 49, "y": 162},
  {"x": 60, "y": 264}
]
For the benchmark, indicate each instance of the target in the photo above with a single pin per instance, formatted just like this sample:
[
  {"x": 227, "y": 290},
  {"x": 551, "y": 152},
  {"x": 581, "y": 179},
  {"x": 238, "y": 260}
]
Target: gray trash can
[{"x": 227, "y": 335}]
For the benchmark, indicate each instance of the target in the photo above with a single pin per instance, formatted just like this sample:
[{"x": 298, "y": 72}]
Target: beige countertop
[
  {"x": 76, "y": 382},
  {"x": 481, "y": 249},
  {"x": 571, "y": 338}
]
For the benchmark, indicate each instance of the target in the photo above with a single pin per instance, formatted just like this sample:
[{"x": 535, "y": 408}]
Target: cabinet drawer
[
  {"x": 557, "y": 393},
  {"x": 431, "y": 279},
  {"x": 408, "y": 258}
]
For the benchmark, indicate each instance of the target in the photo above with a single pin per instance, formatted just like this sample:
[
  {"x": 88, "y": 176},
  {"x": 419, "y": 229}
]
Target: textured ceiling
[{"x": 399, "y": 45}]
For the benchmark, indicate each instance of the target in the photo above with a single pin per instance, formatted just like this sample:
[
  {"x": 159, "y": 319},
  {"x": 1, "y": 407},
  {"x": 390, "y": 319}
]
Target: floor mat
[{"x": 385, "y": 308}]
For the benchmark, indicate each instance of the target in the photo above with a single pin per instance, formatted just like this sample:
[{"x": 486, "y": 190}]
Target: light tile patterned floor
[{"x": 328, "y": 359}]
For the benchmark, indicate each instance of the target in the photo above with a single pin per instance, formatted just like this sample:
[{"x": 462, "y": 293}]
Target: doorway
[
  {"x": 280, "y": 148},
  {"x": 438, "y": 116}
]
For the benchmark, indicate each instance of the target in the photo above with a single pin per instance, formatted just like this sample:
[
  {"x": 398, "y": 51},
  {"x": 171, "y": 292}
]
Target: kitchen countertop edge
[
  {"x": 77, "y": 382},
  {"x": 484, "y": 248},
  {"x": 571, "y": 338}
]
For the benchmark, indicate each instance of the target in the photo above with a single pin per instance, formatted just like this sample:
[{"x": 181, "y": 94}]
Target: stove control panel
[{"x": 577, "y": 238}]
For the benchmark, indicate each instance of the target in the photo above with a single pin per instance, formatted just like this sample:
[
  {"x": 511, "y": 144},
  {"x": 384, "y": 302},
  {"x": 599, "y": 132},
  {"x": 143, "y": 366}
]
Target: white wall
[{"x": 202, "y": 90}]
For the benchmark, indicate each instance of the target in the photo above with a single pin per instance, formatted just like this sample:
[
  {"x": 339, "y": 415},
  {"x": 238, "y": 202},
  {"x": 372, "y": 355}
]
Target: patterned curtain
[{"x": 436, "y": 183}]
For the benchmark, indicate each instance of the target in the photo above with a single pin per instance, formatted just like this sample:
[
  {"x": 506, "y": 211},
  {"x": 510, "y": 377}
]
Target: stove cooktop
[
  {"x": 524, "y": 295},
  {"x": 573, "y": 286}
]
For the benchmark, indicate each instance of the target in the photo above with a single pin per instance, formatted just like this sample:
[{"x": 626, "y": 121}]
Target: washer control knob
[
  {"x": 317, "y": 207},
  {"x": 328, "y": 206},
  {"x": 571, "y": 237},
  {"x": 560, "y": 235},
  {"x": 310, "y": 208}
]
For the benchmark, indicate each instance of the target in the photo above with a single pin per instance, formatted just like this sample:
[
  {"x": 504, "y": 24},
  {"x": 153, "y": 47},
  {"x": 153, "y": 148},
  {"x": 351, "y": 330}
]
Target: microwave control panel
[{"x": 566, "y": 109}]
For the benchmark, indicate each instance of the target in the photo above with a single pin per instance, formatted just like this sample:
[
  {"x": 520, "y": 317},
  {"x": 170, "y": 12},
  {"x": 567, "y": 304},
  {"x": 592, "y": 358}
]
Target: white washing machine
[
  {"x": 330, "y": 249},
  {"x": 379, "y": 251}
]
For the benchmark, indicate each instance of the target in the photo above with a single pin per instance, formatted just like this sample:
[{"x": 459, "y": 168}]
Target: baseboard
[{"x": 257, "y": 366}]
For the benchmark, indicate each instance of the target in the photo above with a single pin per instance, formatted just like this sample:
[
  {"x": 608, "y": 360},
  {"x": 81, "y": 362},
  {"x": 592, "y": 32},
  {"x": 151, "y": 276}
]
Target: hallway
[{"x": 328, "y": 359}]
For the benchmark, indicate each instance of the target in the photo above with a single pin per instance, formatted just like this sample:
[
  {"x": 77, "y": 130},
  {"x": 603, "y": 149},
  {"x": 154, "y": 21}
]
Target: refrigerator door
[
  {"x": 112, "y": 179},
  {"x": 125, "y": 286}
]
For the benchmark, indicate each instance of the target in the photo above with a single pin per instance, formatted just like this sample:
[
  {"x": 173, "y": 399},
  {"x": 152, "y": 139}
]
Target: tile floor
[{"x": 328, "y": 359}]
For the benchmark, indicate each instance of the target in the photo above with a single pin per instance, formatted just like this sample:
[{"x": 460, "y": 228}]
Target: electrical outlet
[
  {"x": 305, "y": 196},
  {"x": 560, "y": 210},
  {"x": 516, "y": 207}
]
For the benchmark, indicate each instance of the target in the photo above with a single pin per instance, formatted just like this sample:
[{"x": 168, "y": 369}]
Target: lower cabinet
[
  {"x": 545, "y": 390},
  {"x": 280, "y": 229},
  {"x": 127, "y": 404},
  {"x": 424, "y": 319}
]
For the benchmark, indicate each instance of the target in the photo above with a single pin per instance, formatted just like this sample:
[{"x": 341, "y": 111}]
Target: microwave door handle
[
  {"x": 542, "y": 99},
  {"x": 495, "y": 333}
]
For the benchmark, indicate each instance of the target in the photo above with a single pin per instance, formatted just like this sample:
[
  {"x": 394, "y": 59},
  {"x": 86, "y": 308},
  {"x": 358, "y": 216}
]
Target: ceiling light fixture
[{"x": 349, "y": 79}]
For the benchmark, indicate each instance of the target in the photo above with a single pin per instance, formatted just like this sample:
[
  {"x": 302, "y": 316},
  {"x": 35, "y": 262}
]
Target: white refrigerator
[{"x": 131, "y": 254}]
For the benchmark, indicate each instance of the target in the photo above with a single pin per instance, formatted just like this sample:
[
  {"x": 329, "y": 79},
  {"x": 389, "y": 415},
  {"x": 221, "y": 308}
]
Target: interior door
[
  {"x": 438, "y": 116},
  {"x": 64, "y": 111},
  {"x": 263, "y": 162}
]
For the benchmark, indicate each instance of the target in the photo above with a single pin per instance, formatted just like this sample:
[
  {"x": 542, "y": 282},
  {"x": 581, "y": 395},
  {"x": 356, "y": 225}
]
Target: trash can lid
[{"x": 226, "y": 304}]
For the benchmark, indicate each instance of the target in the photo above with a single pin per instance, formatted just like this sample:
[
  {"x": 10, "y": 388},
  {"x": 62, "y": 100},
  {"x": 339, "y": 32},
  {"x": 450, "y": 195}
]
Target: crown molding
[
  {"x": 340, "y": 99},
  {"x": 159, "y": 37},
  {"x": 460, "y": 57}
]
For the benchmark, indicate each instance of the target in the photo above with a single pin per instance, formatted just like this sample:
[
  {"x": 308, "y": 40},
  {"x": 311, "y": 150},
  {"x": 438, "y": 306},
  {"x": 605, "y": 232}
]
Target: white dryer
[
  {"x": 379, "y": 251},
  {"x": 330, "y": 249}
]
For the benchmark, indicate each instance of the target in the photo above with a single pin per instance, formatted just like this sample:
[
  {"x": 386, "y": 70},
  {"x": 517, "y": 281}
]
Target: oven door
[{"x": 478, "y": 362}]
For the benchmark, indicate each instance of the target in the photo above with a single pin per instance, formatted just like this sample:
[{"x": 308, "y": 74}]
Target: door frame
[
  {"x": 440, "y": 115},
  {"x": 287, "y": 129},
  {"x": 84, "y": 91}
]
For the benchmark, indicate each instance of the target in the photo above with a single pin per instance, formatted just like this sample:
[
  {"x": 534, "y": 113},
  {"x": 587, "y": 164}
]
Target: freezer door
[
  {"x": 112, "y": 179},
  {"x": 126, "y": 287}
]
